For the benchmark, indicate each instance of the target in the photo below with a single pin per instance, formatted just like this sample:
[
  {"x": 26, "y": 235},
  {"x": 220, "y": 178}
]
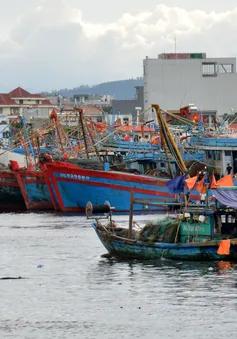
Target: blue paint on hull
[
  {"x": 124, "y": 248},
  {"x": 76, "y": 194},
  {"x": 37, "y": 192}
]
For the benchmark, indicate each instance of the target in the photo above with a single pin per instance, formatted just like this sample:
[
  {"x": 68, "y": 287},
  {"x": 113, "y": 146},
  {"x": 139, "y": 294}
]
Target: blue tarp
[{"x": 176, "y": 185}]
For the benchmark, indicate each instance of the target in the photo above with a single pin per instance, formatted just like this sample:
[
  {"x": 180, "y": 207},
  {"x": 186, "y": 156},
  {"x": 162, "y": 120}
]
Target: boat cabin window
[{"x": 226, "y": 224}]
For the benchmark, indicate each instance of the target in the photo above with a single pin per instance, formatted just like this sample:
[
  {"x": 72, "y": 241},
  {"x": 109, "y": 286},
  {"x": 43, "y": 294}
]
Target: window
[
  {"x": 14, "y": 110},
  {"x": 37, "y": 102},
  {"x": 99, "y": 119},
  {"x": 226, "y": 68},
  {"x": 1, "y": 110},
  {"x": 21, "y": 102},
  {"x": 209, "y": 69},
  {"x": 228, "y": 153},
  {"x": 6, "y": 135},
  {"x": 125, "y": 121}
]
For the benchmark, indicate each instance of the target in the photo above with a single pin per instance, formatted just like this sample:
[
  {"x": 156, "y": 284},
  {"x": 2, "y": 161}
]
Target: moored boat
[
  {"x": 199, "y": 235},
  {"x": 33, "y": 187},
  {"x": 11, "y": 199},
  {"x": 74, "y": 186}
]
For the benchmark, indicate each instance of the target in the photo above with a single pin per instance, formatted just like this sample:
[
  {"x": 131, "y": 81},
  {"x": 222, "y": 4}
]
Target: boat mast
[
  {"x": 163, "y": 143},
  {"x": 93, "y": 141},
  {"x": 83, "y": 131},
  {"x": 169, "y": 140}
]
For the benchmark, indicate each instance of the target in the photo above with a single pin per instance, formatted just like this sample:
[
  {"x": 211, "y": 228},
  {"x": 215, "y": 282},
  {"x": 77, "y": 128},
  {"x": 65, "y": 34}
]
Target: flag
[
  {"x": 224, "y": 247},
  {"x": 200, "y": 186},
  {"x": 101, "y": 126},
  {"x": 213, "y": 182},
  {"x": 191, "y": 182},
  {"x": 176, "y": 185},
  {"x": 195, "y": 117},
  {"x": 226, "y": 181}
]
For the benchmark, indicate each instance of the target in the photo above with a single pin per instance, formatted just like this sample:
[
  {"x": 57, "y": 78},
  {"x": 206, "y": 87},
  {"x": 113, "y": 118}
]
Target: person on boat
[
  {"x": 203, "y": 198},
  {"x": 126, "y": 138},
  {"x": 228, "y": 169}
]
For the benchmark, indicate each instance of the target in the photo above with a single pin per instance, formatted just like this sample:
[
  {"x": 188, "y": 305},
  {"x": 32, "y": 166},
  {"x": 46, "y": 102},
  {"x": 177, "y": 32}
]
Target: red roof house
[{"x": 19, "y": 101}]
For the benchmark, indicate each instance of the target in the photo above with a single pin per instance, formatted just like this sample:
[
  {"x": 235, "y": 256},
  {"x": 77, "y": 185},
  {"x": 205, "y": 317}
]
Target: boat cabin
[{"x": 202, "y": 226}]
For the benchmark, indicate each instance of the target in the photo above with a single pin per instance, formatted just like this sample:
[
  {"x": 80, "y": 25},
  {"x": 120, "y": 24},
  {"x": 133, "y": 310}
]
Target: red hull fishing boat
[
  {"x": 73, "y": 185},
  {"x": 33, "y": 187}
]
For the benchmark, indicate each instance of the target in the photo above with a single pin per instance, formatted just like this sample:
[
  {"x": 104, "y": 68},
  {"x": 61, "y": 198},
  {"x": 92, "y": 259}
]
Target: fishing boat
[
  {"x": 74, "y": 185},
  {"x": 198, "y": 234},
  {"x": 33, "y": 188},
  {"x": 11, "y": 199}
]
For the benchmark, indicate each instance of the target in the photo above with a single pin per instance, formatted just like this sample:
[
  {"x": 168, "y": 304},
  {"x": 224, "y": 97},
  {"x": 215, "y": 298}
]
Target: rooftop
[
  {"x": 8, "y": 99},
  {"x": 22, "y": 93}
]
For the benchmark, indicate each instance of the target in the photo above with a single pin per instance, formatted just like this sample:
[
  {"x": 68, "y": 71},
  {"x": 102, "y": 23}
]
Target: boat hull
[
  {"x": 34, "y": 190},
  {"x": 75, "y": 186},
  {"x": 131, "y": 249},
  {"x": 11, "y": 199}
]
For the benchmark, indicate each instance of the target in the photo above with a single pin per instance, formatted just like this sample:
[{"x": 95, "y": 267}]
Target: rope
[
  {"x": 38, "y": 133},
  {"x": 121, "y": 127}
]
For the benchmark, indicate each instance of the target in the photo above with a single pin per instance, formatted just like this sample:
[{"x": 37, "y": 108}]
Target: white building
[
  {"x": 19, "y": 101},
  {"x": 175, "y": 80}
]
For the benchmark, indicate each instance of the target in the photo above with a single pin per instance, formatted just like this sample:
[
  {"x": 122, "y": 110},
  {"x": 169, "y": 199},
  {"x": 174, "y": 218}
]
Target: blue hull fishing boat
[
  {"x": 134, "y": 249},
  {"x": 200, "y": 234},
  {"x": 34, "y": 188}
]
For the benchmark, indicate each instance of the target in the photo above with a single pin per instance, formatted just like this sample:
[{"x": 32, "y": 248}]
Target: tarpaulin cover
[
  {"x": 176, "y": 185},
  {"x": 226, "y": 197}
]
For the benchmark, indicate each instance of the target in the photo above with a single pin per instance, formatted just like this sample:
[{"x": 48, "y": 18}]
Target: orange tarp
[
  {"x": 191, "y": 182},
  {"x": 223, "y": 182},
  {"x": 226, "y": 181},
  {"x": 224, "y": 247},
  {"x": 213, "y": 182},
  {"x": 200, "y": 187}
]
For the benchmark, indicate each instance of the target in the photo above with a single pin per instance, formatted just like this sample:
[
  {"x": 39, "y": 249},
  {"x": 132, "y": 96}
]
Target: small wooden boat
[{"x": 197, "y": 235}]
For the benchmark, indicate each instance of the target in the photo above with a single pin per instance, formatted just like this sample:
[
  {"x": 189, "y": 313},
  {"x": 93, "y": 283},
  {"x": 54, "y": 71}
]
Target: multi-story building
[
  {"x": 19, "y": 101},
  {"x": 123, "y": 107},
  {"x": 175, "y": 80}
]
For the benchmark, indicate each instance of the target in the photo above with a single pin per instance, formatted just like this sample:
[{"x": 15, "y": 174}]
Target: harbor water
[{"x": 68, "y": 291}]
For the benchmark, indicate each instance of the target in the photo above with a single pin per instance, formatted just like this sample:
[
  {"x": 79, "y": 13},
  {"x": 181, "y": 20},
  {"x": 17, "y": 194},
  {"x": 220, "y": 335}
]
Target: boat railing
[
  {"x": 214, "y": 142},
  {"x": 106, "y": 209}
]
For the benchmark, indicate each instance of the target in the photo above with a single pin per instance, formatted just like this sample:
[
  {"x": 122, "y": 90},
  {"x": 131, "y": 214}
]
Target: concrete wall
[
  {"x": 6, "y": 110},
  {"x": 179, "y": 82}
]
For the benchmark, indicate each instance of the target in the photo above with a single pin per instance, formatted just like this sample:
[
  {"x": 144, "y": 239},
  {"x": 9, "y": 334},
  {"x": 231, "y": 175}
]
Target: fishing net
[
  {"x": 161, "y": 230},
  {"x": 124, "y": 234}
]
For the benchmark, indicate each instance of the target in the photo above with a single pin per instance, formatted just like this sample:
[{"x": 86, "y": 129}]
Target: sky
[{"x": 54, "y": 44}]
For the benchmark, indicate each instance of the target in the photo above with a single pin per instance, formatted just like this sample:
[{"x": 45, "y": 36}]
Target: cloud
[{"x": 52, "y": 46}]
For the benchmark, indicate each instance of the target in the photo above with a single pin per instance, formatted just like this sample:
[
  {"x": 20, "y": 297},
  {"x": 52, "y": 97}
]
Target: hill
[{"x": 121, "y": 89}]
